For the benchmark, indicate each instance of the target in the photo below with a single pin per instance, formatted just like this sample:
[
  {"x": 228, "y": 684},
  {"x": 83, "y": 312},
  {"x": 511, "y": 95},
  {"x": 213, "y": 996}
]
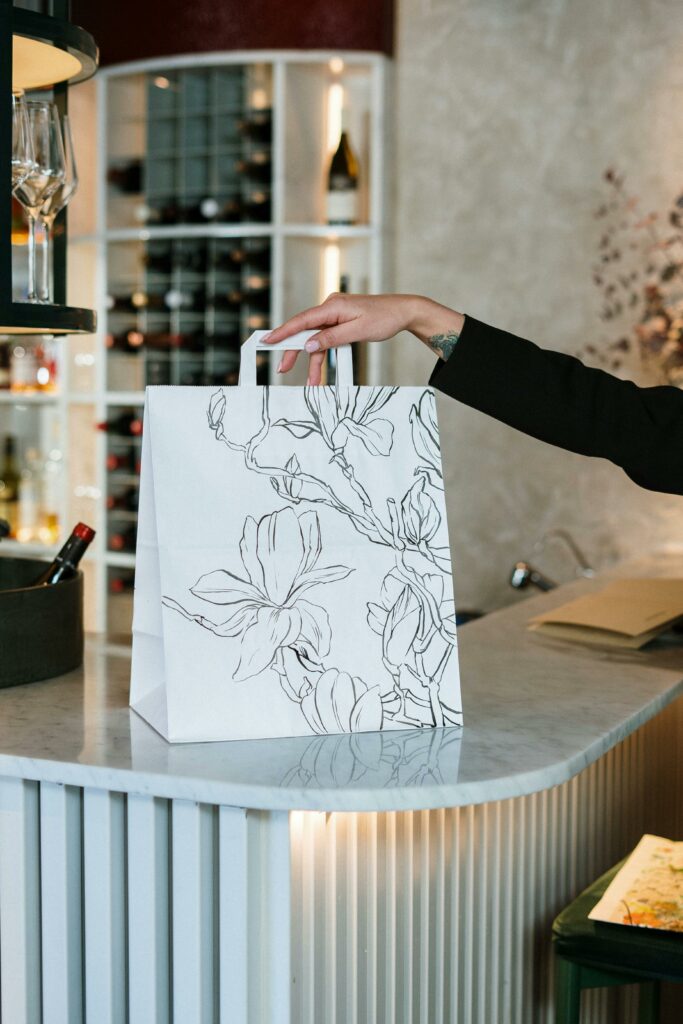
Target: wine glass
[
  {"x": 45, "y": 135},
  {"x": 22, "y": 150},
  {"x": 55, "y": 202}
]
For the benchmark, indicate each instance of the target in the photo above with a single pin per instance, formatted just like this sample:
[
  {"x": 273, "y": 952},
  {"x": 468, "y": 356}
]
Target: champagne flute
[
  {"x": 48, "y": 152},
  {"x": 56, "y": 202},
  {"x": 22, "y": 150}
]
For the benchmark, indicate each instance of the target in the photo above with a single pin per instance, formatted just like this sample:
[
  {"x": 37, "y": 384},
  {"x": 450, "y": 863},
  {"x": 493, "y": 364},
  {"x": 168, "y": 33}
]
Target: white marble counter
[{"x": 537, "y": 711}]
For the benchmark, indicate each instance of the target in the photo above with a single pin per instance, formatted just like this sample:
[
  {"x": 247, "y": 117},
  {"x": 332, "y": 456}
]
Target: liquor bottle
[
  {"x": 257, "y": 125},
  {"x": 9, "y": 485},
  {"x": 342, "y": 184},
  {"x": 46, "y": 366},
  {"x": 126, "y": 177},
  {"x": 127, "y": 341},
  {"x": 123, "y": 540},
  {"x": 28, "y": 507},
  {"x": 124, "y": 501},
  {"x": 125, "y": 423},
  {"x": 65, "y": 564},
  {"x": 23, "y": 368},
  {"x": 123, "y": 462},
  {"x": 121, "y": 584}
]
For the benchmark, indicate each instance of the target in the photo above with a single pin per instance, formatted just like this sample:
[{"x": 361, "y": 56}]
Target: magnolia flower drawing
[{"x": 274, "y": 601}]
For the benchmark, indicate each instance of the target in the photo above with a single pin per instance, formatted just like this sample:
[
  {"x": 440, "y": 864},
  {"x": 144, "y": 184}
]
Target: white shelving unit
[{"x": 307, "y": 255}]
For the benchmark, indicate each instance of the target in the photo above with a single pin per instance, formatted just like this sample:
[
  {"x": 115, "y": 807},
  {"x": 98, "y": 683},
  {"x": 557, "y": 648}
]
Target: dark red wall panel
[{"x": 140, "y": 29}]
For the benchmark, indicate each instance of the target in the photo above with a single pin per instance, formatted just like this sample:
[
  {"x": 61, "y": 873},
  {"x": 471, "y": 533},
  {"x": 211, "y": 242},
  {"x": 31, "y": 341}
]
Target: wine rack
[{"x": 209, "y": 223}]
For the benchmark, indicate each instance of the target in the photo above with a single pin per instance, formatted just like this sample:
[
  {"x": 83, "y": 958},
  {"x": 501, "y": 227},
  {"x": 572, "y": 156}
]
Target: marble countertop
[{"x": 537, "y": 711}]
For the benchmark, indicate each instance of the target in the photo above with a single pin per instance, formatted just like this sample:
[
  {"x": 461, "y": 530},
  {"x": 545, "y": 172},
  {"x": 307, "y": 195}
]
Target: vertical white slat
[
  {"x": 330, "y": 933},
  {"x": 104, "y": 910},
  {"x": 148, "y": 912},
  {"x": 454, "y": 974},
  {"x": 370, "y": 933},
  {"x": 192, "y": 921},
  {"x": 423, "y": 883},
  {"x": 438, "y": 949},
  {"x": 389, "y": 918},
  {"x": 351, "y": 922},
  {"x": 306, "y": 995},
  {"x": 233, "y": 870},
  {"x": 20, "y": 986},
  {"x": 60, "y": 903},
  {"x": 405, "y": 918},
  {"x": 278, "y": 917}
]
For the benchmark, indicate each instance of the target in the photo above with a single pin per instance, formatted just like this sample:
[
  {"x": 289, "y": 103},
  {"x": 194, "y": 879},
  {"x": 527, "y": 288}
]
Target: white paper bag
[{"x": 293, "y": 573}]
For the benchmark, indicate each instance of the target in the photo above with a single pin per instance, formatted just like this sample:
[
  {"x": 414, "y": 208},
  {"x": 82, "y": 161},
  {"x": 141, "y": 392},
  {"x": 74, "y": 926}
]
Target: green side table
[{"x": 594, "y": 954}]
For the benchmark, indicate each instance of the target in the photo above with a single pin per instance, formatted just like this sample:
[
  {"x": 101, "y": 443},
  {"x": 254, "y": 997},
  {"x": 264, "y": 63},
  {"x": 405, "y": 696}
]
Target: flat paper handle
[{"x": 296, "y": 343}]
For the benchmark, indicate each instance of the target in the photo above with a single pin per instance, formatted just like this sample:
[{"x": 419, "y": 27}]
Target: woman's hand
[{"x": 343, "y": 319}]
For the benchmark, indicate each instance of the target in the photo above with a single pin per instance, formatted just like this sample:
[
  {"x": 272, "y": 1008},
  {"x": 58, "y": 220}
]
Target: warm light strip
[
  {"x": 331, "y": 269},
  {"x": 335, "y": 103}
]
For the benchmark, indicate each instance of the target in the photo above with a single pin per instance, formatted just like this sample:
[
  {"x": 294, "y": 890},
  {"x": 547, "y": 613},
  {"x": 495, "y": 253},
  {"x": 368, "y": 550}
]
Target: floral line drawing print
[{"x": 287, "y": 633}]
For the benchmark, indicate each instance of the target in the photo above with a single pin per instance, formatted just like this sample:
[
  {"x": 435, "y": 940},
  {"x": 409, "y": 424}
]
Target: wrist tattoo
[{"x": 443, "y": 344}]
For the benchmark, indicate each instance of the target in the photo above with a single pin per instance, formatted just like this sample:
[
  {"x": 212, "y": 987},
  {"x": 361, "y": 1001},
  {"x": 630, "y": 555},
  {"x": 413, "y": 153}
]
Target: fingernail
[
  {"x": 312, "y": 345},
  {"x": 309, "y": 383},
  {"x": 279, "y": 368}
]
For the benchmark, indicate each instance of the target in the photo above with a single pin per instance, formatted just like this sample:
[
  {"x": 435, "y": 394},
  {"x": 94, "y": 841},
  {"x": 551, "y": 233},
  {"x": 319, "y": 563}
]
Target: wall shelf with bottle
[{"x": 210, "y": 221}]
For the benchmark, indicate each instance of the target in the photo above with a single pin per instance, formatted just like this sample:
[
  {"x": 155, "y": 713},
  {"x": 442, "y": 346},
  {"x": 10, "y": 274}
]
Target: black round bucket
[{"x": 41, "y": 628}]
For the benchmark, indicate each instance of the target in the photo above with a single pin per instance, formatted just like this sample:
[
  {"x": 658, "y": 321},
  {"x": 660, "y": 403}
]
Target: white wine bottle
[{"x": 342, "y": 183}]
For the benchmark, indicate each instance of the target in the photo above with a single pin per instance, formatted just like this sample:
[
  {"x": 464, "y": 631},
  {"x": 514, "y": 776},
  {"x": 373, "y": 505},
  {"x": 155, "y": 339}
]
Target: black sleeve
[{"x": 557, "y": 399}]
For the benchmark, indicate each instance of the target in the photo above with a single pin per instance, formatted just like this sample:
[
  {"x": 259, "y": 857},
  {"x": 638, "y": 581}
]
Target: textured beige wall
[{"x": 508, "y": 112}]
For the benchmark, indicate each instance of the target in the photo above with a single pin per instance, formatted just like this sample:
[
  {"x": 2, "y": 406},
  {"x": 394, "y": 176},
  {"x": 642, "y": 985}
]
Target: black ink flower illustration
[
  {"x": 426, "y": 439},
  {"x": 280, "y": 557},
  {"x": 278, "y": 627},
  {"x": 342, "y": 703},
  {"x": 339, "y": 414},
  {"x": 420, "y": 517}
]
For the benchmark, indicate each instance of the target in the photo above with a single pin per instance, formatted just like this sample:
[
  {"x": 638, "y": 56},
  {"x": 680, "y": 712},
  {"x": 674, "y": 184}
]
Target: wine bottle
[
  {"x": 186, "y": 301},
  {"x": 9, "y": 485},
  {"x": 257, "y": 125},
  {"x": 257, "y": 206},
  {"x": 123, "y": 462},
  {"x": 194, "y": 260},
  {"x": 159, "y": 262},
  {"x": 124, "y": 501},
  {"x": 65, "y": 563},
  {"x": 342, "y": 184},
  {"x": 121, "y": 584},
  {"x": 123, "y": 540},
  {"x": 125, "y": 423},
  {"x": 126, "y": 177},
  {"x": 256, "y": 167}
]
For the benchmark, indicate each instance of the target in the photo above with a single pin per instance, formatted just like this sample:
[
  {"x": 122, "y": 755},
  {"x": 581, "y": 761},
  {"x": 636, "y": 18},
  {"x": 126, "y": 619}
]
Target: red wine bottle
[
  {"x": 128, "y": 462},
  {"x": 257, "y": 125},
  {"x": 126, "y": 501},
  {"x": 65, "y": 564},
  {"x": 123, "y": 540},
  {"x": 126, "y": 423},
  {"x": 121, "y": 584}
]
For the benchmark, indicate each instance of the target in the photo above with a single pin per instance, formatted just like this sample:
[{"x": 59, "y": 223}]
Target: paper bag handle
[{"x": 297, "y": 341}]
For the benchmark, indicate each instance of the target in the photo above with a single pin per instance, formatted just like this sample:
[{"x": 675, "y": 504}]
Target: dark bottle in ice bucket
[{"x": 65, "y": 564}]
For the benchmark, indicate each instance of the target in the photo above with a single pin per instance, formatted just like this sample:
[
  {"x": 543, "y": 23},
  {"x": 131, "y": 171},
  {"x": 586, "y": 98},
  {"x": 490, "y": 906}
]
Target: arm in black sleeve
[{"x": 557, "y": 399}]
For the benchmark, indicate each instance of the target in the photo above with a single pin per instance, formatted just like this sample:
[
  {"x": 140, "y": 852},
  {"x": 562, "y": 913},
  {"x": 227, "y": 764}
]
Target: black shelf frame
[{"x": 28, "y": 317}]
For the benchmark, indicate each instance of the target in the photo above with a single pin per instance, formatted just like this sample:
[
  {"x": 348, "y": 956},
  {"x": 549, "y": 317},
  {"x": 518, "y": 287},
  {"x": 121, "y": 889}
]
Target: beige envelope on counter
[{"x": 626, "y": 613}]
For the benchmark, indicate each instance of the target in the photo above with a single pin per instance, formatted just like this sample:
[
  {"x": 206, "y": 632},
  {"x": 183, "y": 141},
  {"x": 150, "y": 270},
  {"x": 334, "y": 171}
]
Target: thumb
[{"x": 333, "y": 337}]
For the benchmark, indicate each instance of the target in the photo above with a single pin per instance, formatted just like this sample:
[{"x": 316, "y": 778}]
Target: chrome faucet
[
  {"x": 583, "y": 566},
  {"x": 524, "y": 574}
]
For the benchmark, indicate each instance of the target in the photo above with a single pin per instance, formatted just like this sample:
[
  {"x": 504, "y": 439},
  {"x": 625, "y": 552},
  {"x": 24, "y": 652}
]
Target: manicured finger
[
  {"x": 317, "y": 316},
  {"x": 315, "y": 368},
  {"x": 287, "y": 362},
  {"x": 333, "y": 337}
]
